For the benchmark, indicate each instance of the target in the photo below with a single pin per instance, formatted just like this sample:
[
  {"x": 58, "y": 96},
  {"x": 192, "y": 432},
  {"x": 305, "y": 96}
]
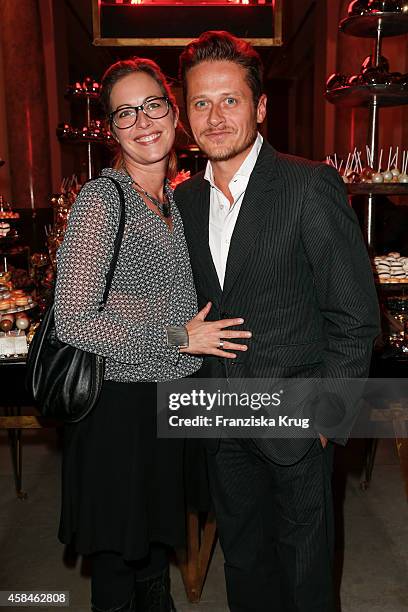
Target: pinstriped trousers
[{"x": 276, "y": 529}]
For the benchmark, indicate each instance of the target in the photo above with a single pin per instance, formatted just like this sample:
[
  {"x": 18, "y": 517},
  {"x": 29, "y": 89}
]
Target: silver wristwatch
[{"x": 177, "y": 336}]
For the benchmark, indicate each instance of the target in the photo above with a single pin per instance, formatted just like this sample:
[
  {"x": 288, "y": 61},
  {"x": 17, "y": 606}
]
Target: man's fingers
[
  {"x": 204, "y": 311},
  {"x": 236, "y": 334},
  {"x": 225, "y": 354},
  {"x": 229, "y": 323},
  {"x": 234, "y": 347},
  {"x": 323, "y": 440}
]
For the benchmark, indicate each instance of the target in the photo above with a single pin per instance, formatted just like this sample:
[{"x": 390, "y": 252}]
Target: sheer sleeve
[{"x": 82, "y": 263}]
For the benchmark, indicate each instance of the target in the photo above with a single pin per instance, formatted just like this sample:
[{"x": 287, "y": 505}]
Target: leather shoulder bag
[{"x": 65, "y": 381}]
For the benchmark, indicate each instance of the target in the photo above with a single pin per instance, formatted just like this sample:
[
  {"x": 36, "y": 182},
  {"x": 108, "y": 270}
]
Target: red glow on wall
[
  {"x": 180, "y": 3},
  {"x": 157, "y": 22}
]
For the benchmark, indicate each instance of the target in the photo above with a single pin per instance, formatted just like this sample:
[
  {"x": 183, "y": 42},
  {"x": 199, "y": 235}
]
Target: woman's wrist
[{"x": 177, "y": 336}]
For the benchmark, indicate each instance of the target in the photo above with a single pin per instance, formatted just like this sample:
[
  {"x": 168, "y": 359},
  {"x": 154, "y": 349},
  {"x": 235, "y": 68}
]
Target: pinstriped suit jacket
[{"x": 298, "y": 272}]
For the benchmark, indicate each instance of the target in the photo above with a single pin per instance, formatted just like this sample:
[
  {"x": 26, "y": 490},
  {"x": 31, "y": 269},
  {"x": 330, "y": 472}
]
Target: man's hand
[
  {"x": 204, "y": 337},
  {"x": 323, "y": 440}
]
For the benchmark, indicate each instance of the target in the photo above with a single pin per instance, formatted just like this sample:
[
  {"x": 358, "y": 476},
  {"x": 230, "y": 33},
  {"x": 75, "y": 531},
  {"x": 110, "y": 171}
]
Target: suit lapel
[
  {"x": 201, "y": 223},
  {"x": 256, "y": 206}
]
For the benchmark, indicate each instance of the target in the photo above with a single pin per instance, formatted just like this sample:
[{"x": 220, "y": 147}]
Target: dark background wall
[{"x": 299, "y": 120}]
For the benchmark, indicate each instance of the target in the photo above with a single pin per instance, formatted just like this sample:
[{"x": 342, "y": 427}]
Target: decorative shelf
[
  {"x": 366, "y": 26},
  {"x": 386, "y": 283},
  {"x": 19, "y": 308},
  {"x": 93, "y": 96},
  {"x": 11, "y": 238},
  {"x": 5, "y": 217},
  {"x": 14, "y": 250},
  {"x": 13, "y": 359},
  {"x": 363, "y": 95},
  {"x": 82, "y": 140},
  {"x": 387, "y": 189}
]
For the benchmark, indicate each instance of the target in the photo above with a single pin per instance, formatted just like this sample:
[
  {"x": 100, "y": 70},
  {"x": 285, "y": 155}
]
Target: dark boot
[{"x": 153, "y": 594}]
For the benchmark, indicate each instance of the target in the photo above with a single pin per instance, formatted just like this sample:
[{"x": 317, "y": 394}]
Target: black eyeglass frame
[{"x": 141, "y": 107}]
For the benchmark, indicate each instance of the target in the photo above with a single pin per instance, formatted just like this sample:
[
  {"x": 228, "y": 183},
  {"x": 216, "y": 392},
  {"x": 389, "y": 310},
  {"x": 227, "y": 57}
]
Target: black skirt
[{"x": 122, "y": 487}]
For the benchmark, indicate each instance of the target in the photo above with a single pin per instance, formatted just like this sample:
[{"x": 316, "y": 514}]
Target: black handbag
[{"x": 65, "y": 381}]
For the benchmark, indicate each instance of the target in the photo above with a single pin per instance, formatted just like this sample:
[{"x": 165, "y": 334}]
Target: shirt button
[{"x": 221, "y": 207}]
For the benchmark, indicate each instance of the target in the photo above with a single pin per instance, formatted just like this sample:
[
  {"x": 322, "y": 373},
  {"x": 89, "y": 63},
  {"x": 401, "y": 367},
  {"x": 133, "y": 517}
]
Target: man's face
[{"x": 221, "y": 109}]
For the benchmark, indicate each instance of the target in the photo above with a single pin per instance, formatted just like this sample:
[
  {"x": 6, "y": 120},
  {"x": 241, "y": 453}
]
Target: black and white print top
[{"x": 152, "y": 285}]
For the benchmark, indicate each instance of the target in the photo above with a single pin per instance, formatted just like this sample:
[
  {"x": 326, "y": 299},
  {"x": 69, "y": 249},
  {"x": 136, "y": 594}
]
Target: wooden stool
[{"x": 194, "y": 561}]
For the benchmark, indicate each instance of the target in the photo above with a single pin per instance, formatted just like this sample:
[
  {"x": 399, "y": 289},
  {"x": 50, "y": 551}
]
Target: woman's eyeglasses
[{"x": 126, "y": 117}]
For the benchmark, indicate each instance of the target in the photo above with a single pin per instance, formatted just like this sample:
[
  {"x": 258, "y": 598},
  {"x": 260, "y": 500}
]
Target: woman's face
[{"x": 149, "y": 141}]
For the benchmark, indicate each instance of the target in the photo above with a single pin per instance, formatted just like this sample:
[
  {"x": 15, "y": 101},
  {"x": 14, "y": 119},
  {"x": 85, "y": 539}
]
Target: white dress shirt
[{"x": 224, "y": 215}]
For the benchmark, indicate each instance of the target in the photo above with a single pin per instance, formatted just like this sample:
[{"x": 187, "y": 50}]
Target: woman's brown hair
[{"x": 118, "y": 71}]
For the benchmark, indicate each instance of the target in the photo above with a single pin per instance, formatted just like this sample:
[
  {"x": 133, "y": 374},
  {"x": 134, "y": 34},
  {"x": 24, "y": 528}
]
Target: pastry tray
[
  {"x": 367, "y": 26},
  {"x": 19, "y": 308},
  {"x": 387, "y": 189},
  {"x": 392, "y": 282},
  {"x": 363, "y": 95}
]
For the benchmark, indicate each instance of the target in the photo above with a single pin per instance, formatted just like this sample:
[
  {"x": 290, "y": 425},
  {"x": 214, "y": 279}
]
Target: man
[{"x": 272, "y": 240}]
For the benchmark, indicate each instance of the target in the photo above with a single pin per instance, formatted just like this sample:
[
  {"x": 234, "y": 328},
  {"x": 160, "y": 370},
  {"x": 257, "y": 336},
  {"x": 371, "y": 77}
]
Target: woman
[{"x": 122, "y": 500}]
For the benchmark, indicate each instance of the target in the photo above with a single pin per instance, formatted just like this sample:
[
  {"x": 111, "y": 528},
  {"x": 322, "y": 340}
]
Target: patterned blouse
[{"x": 152, "y": 286}]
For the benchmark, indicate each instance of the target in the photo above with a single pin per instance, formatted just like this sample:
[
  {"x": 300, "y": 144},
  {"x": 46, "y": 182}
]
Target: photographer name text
[{"x": 201, "y": 421}]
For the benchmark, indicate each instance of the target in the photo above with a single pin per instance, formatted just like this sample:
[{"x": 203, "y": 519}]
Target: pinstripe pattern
[
  {"x": 297, "y": 272},
  {"x": 275, "y": 529}
]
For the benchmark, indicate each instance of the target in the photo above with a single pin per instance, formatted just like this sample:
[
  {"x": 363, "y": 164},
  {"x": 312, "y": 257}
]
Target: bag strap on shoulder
[{"x": 116, "y": 244}]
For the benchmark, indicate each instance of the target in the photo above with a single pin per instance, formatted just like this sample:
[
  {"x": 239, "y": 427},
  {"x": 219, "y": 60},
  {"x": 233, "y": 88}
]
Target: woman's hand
[{"x": 204, "y": 337}]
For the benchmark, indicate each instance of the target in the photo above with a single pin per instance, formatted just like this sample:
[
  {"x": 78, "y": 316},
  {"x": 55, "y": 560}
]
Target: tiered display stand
[
  {"x": 92, "y": 133},
  {"x": 373, "y": 97}
]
